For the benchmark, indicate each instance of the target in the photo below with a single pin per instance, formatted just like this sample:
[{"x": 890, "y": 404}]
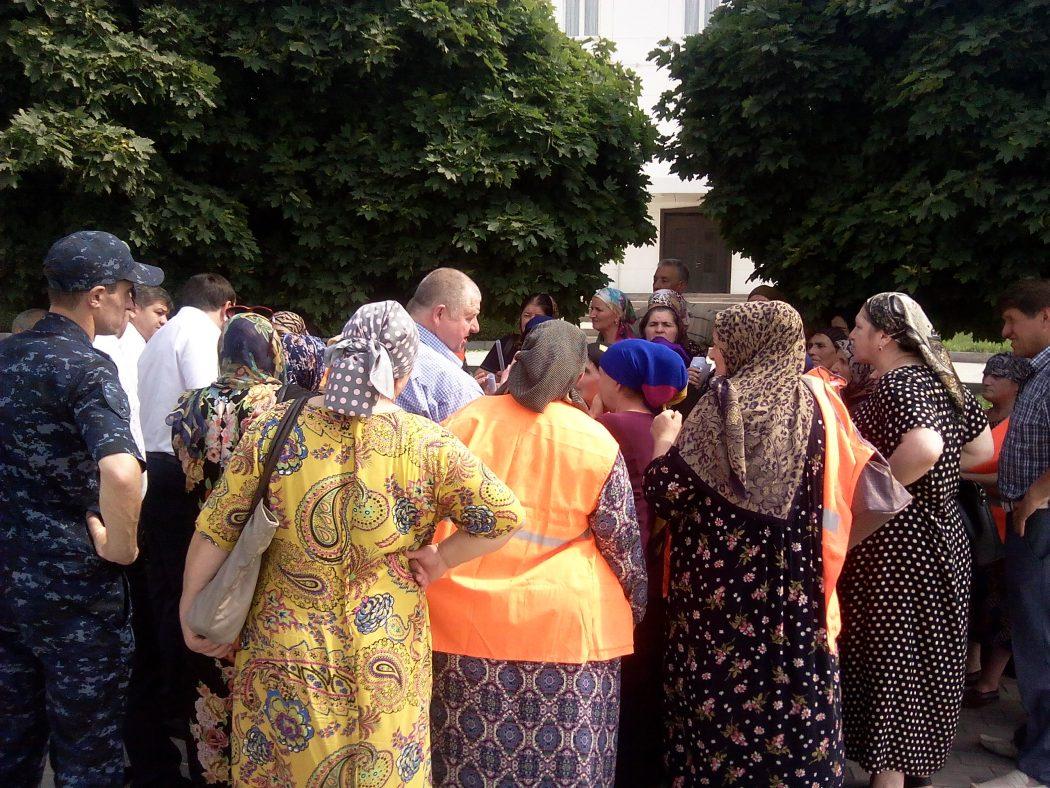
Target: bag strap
[{"x": 274, "y": 453}]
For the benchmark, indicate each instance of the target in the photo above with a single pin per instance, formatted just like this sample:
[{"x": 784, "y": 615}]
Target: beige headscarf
[
  {"x": 903, "y": 319},
  {"x": 747, "y": 437}
]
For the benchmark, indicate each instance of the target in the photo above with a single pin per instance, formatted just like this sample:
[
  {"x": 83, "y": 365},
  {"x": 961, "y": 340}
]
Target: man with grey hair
[
  {"x": 445, "y": 307},
  {"x": 671, "y": 274}
]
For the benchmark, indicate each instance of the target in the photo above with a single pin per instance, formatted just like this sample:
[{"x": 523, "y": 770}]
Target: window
[
  {"x": 709, "y": 6},
  {"x": 581, "y": 17},
  {"x": 692, "y": 17},
  {"x": 694, "y": 21}
]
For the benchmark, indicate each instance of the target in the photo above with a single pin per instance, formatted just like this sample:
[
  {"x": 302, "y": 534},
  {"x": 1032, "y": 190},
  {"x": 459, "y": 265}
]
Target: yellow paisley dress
[{"x": 332, "y": 679}]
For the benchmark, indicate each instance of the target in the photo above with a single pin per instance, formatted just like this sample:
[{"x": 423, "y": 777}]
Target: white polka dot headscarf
[{"x": 378, "y": 346}]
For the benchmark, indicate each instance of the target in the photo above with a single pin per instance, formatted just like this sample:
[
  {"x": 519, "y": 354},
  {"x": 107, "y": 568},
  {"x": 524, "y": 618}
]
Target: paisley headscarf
[
  {"x": 1008, "y": 366},
  {"x": 546, "y": 369},
  {"x": 623, "y": 309},
  {"x": 748, "y": 436},
  {"x": 378, "y": 346},
  {"x": 669, "y": 299},
  {"x": 903, "y": 319},
  {"x": 207, "y": 423}
]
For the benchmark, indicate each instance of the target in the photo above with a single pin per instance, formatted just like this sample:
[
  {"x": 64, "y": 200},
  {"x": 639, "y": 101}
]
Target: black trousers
[
  {"x": 640, "y": 741},
  {"x": 154, "y": 759},
  {"x": 164, "y": 682}
]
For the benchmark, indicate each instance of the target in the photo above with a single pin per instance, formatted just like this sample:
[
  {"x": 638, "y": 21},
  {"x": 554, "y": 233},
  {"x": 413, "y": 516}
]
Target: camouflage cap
[{"x": 90, "y": 258}]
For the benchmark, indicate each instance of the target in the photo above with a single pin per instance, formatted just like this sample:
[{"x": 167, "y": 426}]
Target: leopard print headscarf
[{"x": 748, "y": 436}]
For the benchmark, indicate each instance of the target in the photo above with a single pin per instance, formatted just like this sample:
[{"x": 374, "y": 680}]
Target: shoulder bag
[
  {"x": 979, "y": 524},
  {"x": 220, "y": 609}
]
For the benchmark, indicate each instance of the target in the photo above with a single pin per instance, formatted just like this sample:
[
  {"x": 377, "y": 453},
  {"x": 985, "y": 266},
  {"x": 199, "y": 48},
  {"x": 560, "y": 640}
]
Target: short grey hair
[
  {"x": 447, "y": 286},
  {"x": 680, "y": 268}
]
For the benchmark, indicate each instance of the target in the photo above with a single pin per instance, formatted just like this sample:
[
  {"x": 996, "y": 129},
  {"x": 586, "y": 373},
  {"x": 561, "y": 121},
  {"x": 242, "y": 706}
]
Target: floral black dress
[{"x": 751, "y": 687}]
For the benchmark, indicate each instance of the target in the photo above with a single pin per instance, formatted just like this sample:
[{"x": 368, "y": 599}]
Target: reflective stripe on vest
[
  {"x": 548, "y": 595},
  {"x": 548, "y": 541}
]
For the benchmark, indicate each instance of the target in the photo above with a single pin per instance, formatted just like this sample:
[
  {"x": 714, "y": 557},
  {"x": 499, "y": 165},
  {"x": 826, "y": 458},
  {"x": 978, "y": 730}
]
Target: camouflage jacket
[{"x": 61, "y": 410}]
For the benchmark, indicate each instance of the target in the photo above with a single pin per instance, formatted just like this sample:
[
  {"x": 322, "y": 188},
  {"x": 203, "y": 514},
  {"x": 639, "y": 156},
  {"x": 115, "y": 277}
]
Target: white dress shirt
[
  {"x": 182, "y": 355},
  {"x": 122, "y": 351}
]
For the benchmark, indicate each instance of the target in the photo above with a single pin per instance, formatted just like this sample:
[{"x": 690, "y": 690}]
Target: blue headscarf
[{"x": 649, "y": 367}]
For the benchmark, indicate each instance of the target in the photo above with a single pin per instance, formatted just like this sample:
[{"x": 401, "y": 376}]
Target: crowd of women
[{"x": 622, "y": 567}]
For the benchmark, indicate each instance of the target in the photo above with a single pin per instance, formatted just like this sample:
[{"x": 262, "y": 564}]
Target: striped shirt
[
  {"x": 1026, "y": 449},
  {"x": 438, "y": 386}
]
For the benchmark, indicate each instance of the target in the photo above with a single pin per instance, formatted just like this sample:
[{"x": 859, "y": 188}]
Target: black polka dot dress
[{"x": 904, "y": 592}]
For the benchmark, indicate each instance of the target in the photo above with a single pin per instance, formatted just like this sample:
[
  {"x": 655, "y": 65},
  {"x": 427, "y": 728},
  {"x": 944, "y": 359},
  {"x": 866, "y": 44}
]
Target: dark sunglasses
[{"x": 244, "y": 309}]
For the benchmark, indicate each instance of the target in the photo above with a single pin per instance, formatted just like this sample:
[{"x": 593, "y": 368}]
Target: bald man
[
  {"x": 24, "y": 321},
  {"x": 445, "y": 307}
]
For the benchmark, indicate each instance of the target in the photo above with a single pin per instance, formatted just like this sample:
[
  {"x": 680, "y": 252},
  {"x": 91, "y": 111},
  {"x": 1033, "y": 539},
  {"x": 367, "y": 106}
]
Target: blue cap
[{"x": 90, "y": 258}]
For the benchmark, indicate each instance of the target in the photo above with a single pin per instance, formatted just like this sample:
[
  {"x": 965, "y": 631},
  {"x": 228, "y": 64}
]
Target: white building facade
[{"x": 675, "y": 207}]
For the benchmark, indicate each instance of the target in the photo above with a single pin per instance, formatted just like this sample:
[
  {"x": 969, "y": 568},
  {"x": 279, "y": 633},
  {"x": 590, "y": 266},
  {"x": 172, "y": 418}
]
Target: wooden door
[{"x": 694, "y": 239}]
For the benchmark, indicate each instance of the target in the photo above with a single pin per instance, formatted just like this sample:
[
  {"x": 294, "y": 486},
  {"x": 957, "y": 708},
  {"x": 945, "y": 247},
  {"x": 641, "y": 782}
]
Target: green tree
[
  {"x": 320, "y": 154},
  {"x": 856, "y": 146}
]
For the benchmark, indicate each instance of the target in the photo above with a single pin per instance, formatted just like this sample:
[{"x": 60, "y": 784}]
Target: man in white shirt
[
  {"x": 122, "y": 350},
  {"x": 153, "y": 307},
  {"x": 445, "y": 307},
  {"x": 181, "y": 355}
]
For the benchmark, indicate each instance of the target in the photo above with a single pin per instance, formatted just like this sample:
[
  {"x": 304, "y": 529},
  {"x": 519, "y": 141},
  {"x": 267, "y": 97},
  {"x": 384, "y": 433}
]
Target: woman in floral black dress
[{"x": 751, "y": 683}]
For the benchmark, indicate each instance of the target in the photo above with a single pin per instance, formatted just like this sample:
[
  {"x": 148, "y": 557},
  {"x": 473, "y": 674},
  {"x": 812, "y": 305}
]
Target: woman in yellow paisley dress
[{"x": 333, "y": 672}]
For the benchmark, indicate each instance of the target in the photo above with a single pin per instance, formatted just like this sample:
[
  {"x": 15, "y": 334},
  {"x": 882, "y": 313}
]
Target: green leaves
[
  {"x": 320, "y": 154},
  {"x": 859, "y": 146}
]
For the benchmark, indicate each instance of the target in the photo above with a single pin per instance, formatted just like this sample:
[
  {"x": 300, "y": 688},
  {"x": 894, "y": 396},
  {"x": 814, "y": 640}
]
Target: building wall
[{"x": 636, "y": 27}]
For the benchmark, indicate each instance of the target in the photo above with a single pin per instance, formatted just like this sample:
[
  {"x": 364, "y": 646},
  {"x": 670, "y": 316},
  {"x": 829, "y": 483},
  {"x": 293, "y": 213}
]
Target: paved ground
[{"x": 968, "y": 761}]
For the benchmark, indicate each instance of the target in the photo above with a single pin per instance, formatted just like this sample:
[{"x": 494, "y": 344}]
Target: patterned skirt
[{"x": 504, "y": 723}]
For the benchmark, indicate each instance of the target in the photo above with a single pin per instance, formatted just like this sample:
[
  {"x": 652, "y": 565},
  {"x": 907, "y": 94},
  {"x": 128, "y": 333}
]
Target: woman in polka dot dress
[{"x": 904, "y": 591}]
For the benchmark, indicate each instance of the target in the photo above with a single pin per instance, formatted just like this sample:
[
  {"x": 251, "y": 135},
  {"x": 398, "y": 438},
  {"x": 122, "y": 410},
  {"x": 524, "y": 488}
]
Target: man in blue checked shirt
[
  {"x": 445, "y": 307},
  {"x": 1024, "y": 484}
]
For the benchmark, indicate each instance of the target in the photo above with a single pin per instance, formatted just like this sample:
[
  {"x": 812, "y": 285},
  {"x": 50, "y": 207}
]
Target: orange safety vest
[
  {"x": 548, "y": 595},
  {"x": 845, "y": 455}
]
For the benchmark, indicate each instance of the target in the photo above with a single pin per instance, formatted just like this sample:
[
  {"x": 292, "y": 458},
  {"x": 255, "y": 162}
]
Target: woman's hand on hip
[{"x": 426, "y": 565}]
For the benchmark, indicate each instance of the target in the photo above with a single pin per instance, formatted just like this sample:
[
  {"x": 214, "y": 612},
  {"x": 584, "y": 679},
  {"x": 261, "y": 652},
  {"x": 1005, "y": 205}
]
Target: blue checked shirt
[
  {"x": 1025, "y": 455},
  {"x": 438, "y": 386}
]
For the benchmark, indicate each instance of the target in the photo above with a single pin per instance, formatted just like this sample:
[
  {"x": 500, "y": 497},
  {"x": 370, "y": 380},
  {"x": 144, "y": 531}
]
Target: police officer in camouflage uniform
[{"x": 70, "y": 491}]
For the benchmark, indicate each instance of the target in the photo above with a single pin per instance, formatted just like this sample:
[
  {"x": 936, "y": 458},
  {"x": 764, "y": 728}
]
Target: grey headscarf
[
  {"x": 378, "y": 346},
  {"x": 546, "y": 369},
  {"x": 1009, "y": 366},
  {"x": 903, "y": 319}
]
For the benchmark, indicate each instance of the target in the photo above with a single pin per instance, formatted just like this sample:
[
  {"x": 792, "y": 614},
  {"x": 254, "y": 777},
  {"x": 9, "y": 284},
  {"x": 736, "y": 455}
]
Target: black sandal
[{"x": 973, "y": 699}]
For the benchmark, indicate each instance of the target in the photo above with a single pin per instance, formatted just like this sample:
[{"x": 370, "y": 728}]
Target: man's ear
[
  {"x": 438, "y": 312},
  {"x": 94, "y": 296}
]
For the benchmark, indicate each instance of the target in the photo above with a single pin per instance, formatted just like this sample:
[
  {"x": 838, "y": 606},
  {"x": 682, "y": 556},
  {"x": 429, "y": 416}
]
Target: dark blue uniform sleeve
[{"x": 102, "y": 413}]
